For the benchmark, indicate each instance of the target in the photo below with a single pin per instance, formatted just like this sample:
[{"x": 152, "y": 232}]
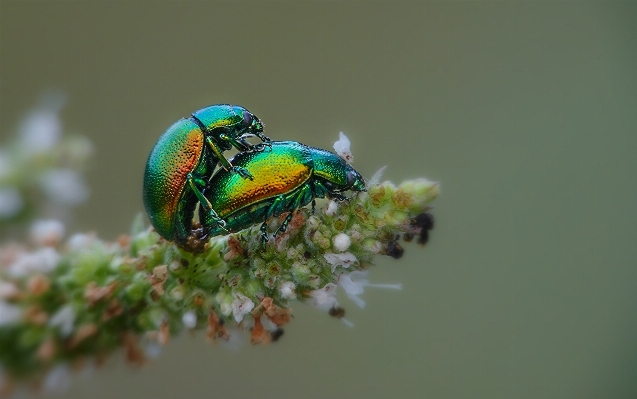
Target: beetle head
[
  {"x": 336, "y": 174},
  {"x": 251, "y": 123}
]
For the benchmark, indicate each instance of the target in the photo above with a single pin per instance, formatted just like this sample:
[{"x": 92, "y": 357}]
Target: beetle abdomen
[
  {"x": 176, "y": 153},
  {"x": 276, "y": 170}
]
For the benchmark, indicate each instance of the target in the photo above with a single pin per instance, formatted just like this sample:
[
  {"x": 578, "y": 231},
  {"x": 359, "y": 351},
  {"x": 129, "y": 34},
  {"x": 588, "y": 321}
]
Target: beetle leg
[
  {"x": 238, "y": 143},
  {"x": 204, "y": 201},
  {"x": 339, "y": 197},
  {"x": 277, "y": 207},
  {"x": 303, "y": 197},
  {"x": 246, "y": 146},
  {"x": 313, "y": 190},
  {"x": 319, "y": 190},
  {"x": 263, "y": 138},
  {"x": 284, "y": 226},
  {"x": 322, "y": 191},
  {"x": 224, "y": 162},
  {"x": 264, "y": 234}
]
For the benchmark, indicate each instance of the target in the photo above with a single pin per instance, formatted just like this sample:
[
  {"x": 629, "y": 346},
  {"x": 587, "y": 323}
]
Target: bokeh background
[{"x": 524, "y": 111}]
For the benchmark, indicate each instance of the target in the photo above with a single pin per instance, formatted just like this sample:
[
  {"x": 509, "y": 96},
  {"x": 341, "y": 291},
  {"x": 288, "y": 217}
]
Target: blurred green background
[{"x": 524, "y": 111}]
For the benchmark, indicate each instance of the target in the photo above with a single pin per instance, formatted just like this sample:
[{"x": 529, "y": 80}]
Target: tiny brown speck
[{"x": 337, "y": 312}]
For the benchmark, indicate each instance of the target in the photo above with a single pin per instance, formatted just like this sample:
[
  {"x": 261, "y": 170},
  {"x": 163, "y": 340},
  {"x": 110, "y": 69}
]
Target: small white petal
[
  {"x": 64, "y": 186},
  {"x": 241, "y": 305},
  {"x": 47, "y": 232},
  {"x": 152, "y": 349},
  {"x": 64, "y": 319},
  {"x": 331, "y": 208},
  {"x": 287, "y": 290},
  {"x": 268, "y": 324},
  {"x": 40, "y": 131},
  {"x": 80, "y": 241},
  {"x": 189, "y": 319},
  {"x": 44, "y": 260},
  {"x": 10, "y": 202},
  {"x": 342, "y": 148},
  {"x": 352, "y": 289},
  {"x": 341, "y": 242},
  {"x": 344, "y": 260},
  {"x": 324, "y": 298},
  {"x": 347, "y": 322},
  {"x": 9, "y": 314},
  {"x": 353, "y": 284}
]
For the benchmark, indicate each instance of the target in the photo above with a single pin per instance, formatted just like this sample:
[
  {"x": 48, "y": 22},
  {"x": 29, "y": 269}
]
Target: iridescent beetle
[
  {"x": 287, "y": 175},
  {"x": 184, "y": 158}
]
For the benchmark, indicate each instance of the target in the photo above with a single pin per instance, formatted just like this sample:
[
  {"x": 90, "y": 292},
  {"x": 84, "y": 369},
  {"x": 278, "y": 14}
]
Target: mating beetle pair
[
  {"x": 184, "y": 158},
  {"x": 260, "y": 182}
]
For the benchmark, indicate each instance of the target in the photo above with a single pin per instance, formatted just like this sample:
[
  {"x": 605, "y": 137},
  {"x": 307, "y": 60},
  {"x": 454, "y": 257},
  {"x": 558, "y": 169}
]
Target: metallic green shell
[
  {"x": 178, "y": 152},
  {"x": 285, "y": 172},
  {"x": 235, "y": 118},
  {"x": 277, "y": 170}
]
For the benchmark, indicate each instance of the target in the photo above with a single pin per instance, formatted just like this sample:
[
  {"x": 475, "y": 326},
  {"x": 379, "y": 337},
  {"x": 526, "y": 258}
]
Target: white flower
[
  {"x": 10, "y": 202},
  {"x": 47, "y": 232},
  {"x": 58, "y": 379},
  {"x": 64, "y": 186},
  {"x": 189, "y": 319},
  {"x": 40, "y": 131},
  {"x": 64, "y": 319},
  {"x": 241, "y": 305},
  {"x": 331, "y": 208},
  {"x": 80, "y": 241},
  {"x": 287, "y": 290},
  {"x": 9, "y": 314},
  {"x": 353, "y": 284},
  {"x": 44, "y": 260},
  {"x": 152, "y": 349},
  {"x": 324, "y": 298},
  {"x": 344, "y": 260},
  {"x": 342, "y": 148},
  {"x": 341, "y": 242}
]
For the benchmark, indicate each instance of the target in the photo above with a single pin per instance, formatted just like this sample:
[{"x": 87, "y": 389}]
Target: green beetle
[
  {"x": 287, "y": 176},
  {"x": 182, "y": 161}
]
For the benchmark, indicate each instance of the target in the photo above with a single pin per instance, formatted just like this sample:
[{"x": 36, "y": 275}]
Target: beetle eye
[
  {"x": 247, "y": 118},
  {"x": 351, "y": 178}
]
